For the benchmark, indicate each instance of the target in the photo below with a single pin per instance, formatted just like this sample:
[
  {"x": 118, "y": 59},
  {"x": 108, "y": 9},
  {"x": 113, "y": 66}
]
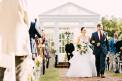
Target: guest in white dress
[{"x": 82, "y": 65}]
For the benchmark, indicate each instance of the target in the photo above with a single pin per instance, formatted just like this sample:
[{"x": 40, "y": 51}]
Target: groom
[{"x": 100, "y": 43}]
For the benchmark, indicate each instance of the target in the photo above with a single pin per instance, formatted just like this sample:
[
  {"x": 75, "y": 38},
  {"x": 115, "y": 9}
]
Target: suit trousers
[
  {"x": 100, "y": 62},
  {"x": 69, "y": 56}
]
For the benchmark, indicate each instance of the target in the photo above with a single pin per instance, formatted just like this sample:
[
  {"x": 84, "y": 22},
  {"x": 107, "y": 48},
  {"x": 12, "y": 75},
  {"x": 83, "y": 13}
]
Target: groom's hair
[{"x": 98, "y": 25}]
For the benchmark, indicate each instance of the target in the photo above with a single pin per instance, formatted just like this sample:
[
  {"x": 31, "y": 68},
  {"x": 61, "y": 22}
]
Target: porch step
[{"x": 62, "y": 65}]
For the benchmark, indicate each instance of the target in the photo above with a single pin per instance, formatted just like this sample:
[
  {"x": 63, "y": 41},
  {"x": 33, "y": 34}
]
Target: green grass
[
  {"x": 118, "y": 75},
  {"x": 51, "y": 74}
]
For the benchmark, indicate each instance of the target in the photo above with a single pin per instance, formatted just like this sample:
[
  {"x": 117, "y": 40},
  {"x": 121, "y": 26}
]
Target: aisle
[
  {"x": 58, "y": 74},
  {"x": 108, "y": 75}
]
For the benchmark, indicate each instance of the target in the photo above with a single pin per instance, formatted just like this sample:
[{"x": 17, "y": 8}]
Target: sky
[{"x": 103, "y": 7}]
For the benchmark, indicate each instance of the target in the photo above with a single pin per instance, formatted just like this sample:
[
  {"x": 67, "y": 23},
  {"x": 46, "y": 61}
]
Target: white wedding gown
[{"x": 82, "y": 65}]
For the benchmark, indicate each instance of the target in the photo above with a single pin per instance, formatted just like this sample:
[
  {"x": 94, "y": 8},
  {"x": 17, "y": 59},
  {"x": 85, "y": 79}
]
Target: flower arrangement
[
  {"x": 82, "y": 47},
  {"x": 38, "y": 62}
]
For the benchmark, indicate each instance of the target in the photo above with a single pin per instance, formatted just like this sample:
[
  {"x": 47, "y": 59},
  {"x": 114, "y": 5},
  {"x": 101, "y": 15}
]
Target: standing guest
[
  {"x": 69, "y": 48},
  {"x": 112, "y": 50},
  {"x": 33, "y": 32}
]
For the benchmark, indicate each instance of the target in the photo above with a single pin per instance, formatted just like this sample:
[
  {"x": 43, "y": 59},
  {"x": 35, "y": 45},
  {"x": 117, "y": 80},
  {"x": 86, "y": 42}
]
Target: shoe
[
  {"x": 98, "y": 75},
  {"x": 33, "y": 57},
  {"x": 102, "y": 76}
]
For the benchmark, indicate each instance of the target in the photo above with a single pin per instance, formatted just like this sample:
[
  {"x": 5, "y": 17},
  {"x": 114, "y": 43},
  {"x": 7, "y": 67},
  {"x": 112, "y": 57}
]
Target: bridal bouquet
[{"x": 82, "y": 47}]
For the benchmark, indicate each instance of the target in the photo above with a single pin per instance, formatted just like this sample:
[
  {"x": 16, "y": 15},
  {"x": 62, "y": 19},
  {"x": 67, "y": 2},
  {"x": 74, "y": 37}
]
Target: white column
[{"x": 56, "y": 39}]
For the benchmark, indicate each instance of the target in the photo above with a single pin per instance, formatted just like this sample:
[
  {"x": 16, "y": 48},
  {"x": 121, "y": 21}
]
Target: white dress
[{"x": 82, "y": 65}]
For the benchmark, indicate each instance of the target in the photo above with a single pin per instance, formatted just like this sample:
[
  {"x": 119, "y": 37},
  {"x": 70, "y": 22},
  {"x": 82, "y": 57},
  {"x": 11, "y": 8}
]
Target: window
[{"x": 63, "y": 38}]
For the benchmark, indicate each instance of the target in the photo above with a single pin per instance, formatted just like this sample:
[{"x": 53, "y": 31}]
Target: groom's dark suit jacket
[
  {"x": 103, "y": 43},
  {"x": 100, "y": 52}
]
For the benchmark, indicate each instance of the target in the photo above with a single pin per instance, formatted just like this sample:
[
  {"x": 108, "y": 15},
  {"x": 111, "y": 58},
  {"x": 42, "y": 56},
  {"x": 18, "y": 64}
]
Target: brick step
[{"x": 62, "y": 65}]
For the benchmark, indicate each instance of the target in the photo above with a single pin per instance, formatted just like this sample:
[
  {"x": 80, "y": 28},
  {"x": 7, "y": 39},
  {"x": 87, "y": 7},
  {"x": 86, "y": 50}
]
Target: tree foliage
[{"x": 112, "y": 25}]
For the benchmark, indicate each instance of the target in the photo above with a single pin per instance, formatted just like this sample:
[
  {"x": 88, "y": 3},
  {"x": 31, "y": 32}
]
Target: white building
[{"x": 66, "y": 18}]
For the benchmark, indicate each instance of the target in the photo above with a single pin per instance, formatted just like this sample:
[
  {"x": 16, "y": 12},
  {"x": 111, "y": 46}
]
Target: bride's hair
[{"x": 82, "y": 28}]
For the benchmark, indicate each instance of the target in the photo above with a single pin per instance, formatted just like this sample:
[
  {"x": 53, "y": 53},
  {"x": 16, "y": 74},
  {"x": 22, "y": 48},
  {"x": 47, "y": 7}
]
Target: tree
[{"x": 112, "y": 25}]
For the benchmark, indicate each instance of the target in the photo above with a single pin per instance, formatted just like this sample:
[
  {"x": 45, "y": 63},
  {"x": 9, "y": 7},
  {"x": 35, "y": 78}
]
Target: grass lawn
[
  {"x": 51, "y": 74},
  {"x": 118, "y": 75}
]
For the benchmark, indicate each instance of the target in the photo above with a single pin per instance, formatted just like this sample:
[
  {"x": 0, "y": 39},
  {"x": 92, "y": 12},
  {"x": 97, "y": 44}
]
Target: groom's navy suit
[{"x": 100, "y": 52}]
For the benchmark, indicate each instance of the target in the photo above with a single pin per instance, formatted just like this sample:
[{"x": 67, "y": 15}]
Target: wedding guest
[
  {"x": 69, "y": 48},
  {"x": 33, "y": 32},
  {"x": 113, "y": 50}
]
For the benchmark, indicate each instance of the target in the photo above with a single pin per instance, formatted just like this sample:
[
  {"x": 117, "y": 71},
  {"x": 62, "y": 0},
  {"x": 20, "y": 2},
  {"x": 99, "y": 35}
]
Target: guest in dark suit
[
  {"x": 100, "y": 43},
  {"x": 69, "y": 48},
  {"x": 33, "y": 32}
]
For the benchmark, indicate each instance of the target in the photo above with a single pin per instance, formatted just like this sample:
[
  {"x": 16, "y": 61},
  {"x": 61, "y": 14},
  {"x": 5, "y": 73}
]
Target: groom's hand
[
  {"x": 121, "y": 48},
  {"x": 98, "y": 44}
]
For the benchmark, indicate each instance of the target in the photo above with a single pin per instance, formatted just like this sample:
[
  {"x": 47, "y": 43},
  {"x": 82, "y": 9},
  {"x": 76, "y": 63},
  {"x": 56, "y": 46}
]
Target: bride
[{"x": 82, "y": 64}]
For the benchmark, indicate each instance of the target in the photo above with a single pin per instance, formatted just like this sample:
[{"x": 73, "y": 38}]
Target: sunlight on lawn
[{"x": 50, "y": 75}]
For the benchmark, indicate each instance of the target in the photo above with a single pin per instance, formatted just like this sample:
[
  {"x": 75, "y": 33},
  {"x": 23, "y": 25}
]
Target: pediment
[{"x": 69, "y": 9}]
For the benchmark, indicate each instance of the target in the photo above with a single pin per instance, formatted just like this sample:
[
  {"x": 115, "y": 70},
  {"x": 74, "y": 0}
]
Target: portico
[{"x": 63, "y": 20}]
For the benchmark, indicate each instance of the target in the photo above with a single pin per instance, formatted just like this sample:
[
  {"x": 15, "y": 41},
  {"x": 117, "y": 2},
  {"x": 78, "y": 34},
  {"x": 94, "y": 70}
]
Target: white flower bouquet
[{"x": 82, "y": 47}]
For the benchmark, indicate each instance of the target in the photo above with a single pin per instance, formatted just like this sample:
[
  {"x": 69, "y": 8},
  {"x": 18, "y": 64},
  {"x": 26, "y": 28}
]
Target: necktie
[{"x": 101, "y": 35}]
